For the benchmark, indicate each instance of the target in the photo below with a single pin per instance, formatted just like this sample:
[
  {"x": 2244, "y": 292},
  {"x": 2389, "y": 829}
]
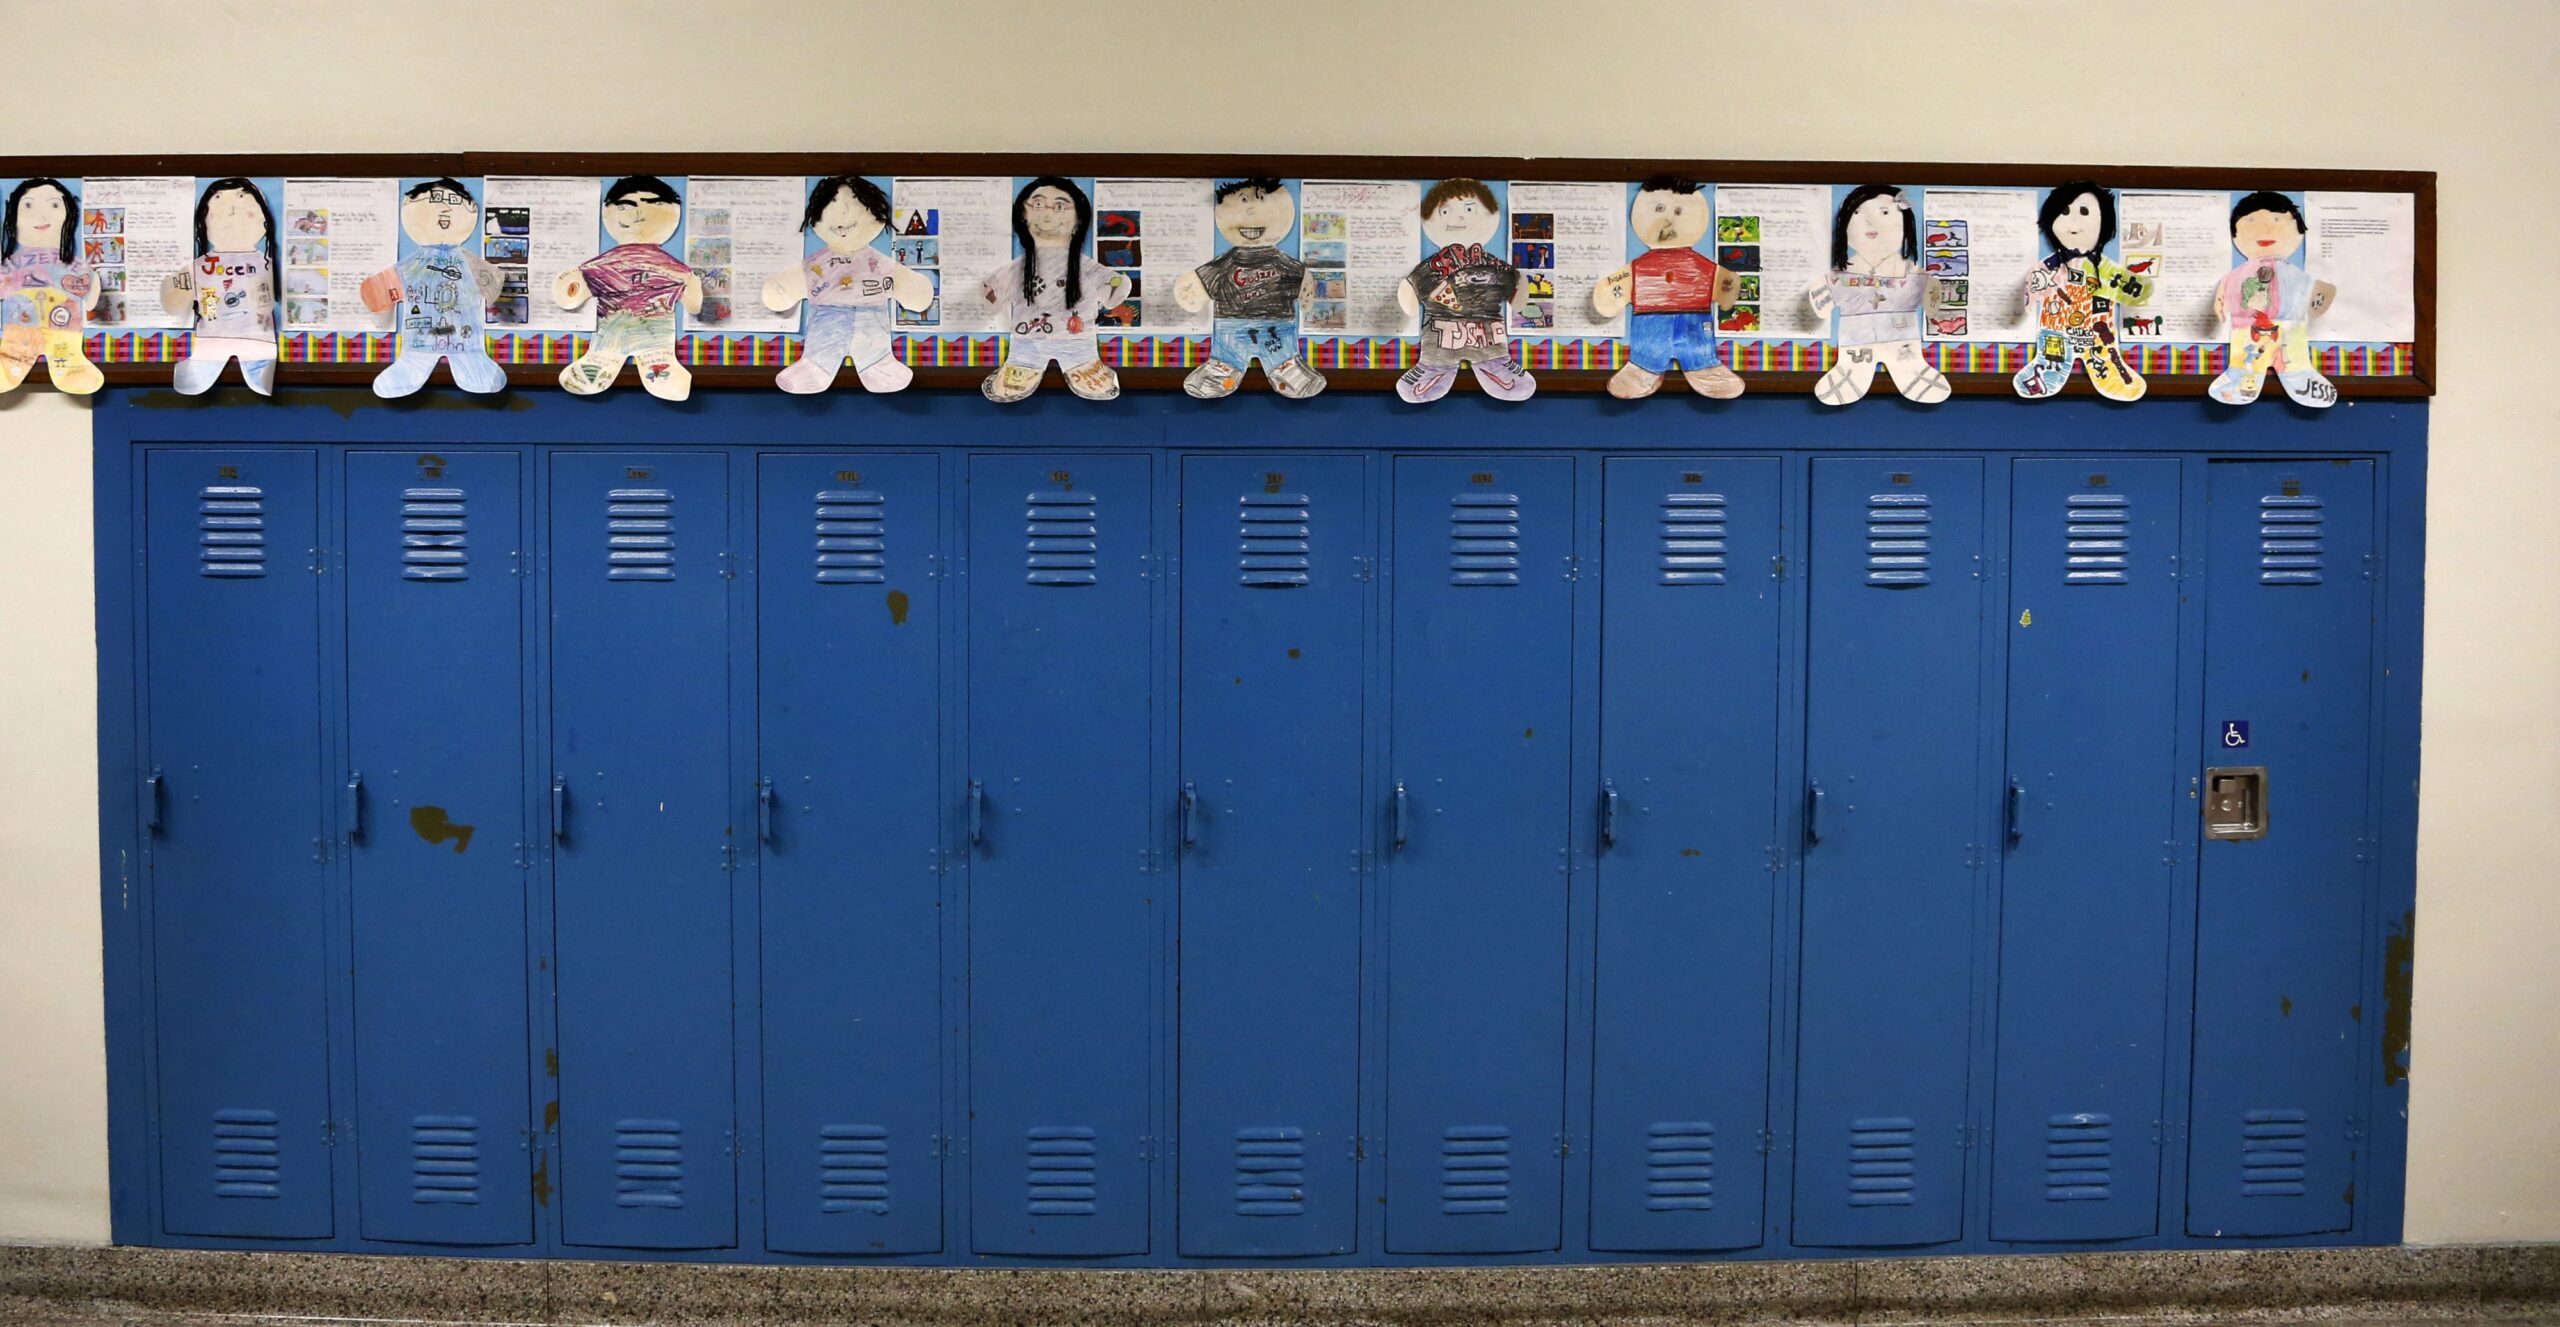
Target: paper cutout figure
[
  {"x": 848, "y": 286},
  {"x": 1256, "y": 290},
  {"x": 2074, "y": 293},
  {"x": 636, "y": 286},
  {"x": 2268, "y": 303},
  {"x": 1052, "y": 296},
  {"x": 1459, "y": 292},
  {"x": 1672, "y": 292},
  {"x": 231, "y": 288},
  {"x": 46, "y": 290},
  {"x": 1877, "y": 284},
  {"x": 441, "y": 290}
]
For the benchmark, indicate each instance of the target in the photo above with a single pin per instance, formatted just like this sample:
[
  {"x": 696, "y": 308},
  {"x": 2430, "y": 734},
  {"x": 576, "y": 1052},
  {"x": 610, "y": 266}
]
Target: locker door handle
[
  {"x": 151, "y": 802},
  {"x": 977, "y": 812},
  {"x": 764, "y": 810},
  {"x": 355, "y": 805},
  {"x": 559, "y": 808},
  {"x": 1813, "y": 813},
  {"x": 1402, "y": 813},
  {"x": 1190, "y": 806},
  {"x": 2017, "y": 811},
  {"x": 1608, "y": 814}
]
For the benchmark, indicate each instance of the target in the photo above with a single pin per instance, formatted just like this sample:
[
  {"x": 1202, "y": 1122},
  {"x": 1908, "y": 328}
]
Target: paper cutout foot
[
  {"x": 2308, "y": 387},
  {"x": 1426, "y": 382},
  {"x": 1011, "y": 383},
  {"x": 1504, "y": 380},
  {"x": 196, "y": 374},
  {"x": 1295, "y": 379},
  {"x": 1715, "y": 382},
  {"x": 1215, "y": 378}
]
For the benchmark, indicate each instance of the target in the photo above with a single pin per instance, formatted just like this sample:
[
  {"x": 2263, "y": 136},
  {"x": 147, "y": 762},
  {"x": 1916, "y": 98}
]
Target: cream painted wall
[{"x": 2469, "y": 88}]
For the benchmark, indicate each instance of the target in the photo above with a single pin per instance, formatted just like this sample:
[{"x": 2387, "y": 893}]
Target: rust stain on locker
[
  {"x": 2399, "y": 964},
  {"x": 897, "y": 608},
  {"x": 435, "y": 826}
]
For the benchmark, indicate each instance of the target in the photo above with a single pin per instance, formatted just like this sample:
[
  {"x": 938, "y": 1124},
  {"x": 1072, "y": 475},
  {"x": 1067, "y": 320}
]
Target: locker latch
[{"x": 2235, "y": 802}]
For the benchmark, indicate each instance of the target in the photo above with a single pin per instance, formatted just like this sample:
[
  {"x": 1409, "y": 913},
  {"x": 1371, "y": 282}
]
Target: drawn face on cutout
[
  {"x": 1250, "y": 217},
  {"x": 847, "y": 226},
  {"x": 2076, "y": 230},
  {"x": 642, "y": 218},
  {"x": 41, "y": 216},
  {"x": 1461, "y": 221},
  {"x": 2266, "y": 235},
  {"x": 1051, "y": 214},
  {"x": 1875, "y": 229},
  {"x": 233, "y": 222},
  {"x": 438, "y": 216},
  {"x": 1664, "y": 219}
]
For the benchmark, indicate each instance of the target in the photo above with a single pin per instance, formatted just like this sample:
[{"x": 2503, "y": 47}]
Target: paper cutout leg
[
  {"x": 406, "y": 374},
  {"x": 206, "y": 355},
  {"x": 1848, "y": 379},
  {"x": 2253, "y": 353},
  {"x": 822, "y": 351},
  {"x": 44, "y": 324},
  {"x": 2300, "y": 373},
  {"x": 2050, "y": 367},
  {"x": 1913, "y": 375},
  {"x": 474, "y": 371}
]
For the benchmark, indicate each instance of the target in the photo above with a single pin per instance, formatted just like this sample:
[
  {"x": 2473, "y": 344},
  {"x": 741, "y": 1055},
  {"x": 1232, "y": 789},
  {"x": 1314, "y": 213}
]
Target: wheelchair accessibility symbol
[{"x": 2235, "y": 734}]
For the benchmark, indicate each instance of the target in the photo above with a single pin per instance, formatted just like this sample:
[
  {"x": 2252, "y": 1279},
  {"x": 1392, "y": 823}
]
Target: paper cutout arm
[
  {"x": 1728, "y": 287},
  {"x": 1617, "y": 288},
  {"x": 1933, "y": 296},
  {"x": 88, "y": 288},
  {"x": 570, "y": 290},
  {"x": 381, "y": 290},
  {"x": 784, "y": 290},
  {"x": 692, "y": 291},
  {"x": 2323, "y": 294},
  {"x": 1191, "y": 293},
  {"x": 485, "y": 276},
  {"x": 178, "y": 291},
  {"x": 1818, "y": 295},
  {"x": 1118, "y": 292},
  {"x": 913, "y": 290},
  {"x": 1407, "y": 299}
]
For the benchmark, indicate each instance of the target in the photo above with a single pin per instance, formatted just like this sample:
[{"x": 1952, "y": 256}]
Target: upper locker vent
[
  {"x": 1693, "y": 539},
  {"x": 1272, "y": 546},
  {"x": 853, "y": 540},
  {"x": 1061, "y": 544},
  {"x": 1898, "y": 539},
  {"x": 233, "y": 518},
  {"x": 433, "y": 535},
  {"x": 2289, "y": 531},
  {"x": 1484, "y": 539},
  {"x": 640, "y": 534},
  {"x": 2096, "y": 550}
]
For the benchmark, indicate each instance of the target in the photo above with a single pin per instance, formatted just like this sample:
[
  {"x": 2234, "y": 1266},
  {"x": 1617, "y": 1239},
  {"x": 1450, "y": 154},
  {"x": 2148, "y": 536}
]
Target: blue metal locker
[
  {"x": 236, "y": 837},
  {"x": 643, "y": 848},
  {"x": 1276, "y": 558},
  {"x": 1892, "y": 857},
  {"x": 1062, "y": 931},
  {"x": 1479, "y": 828},
  {"x": 1688, "y": 808},
  {"x": 2291, "y": 574},
  {"x": 434, "y": 815},
  {"x": 849, "y": 803},
  {"x": 2095, "y": 797}
]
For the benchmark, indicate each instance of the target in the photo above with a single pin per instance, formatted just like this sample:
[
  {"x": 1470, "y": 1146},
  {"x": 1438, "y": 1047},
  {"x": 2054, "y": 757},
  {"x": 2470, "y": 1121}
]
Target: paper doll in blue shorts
[
  {"x": 231, "y": 289},
  {"x": 441, "y": 291},
  {"x": 848, "y": 285},
  {"x": 1255, "y": 289}
]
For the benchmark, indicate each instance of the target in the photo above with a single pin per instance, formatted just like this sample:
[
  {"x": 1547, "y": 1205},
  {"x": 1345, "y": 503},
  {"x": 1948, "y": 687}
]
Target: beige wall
[{"x": 2469, "y": 88}]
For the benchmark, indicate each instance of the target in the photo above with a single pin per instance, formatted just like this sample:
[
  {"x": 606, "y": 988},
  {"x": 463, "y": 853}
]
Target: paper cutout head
[
  {"x": 41, "y": 211},
  {"x": 2266, "y": 224},
  {"x": 1051, "y": 211},
  {"x": 846, "y": 212},
  {"x": 2078, "y": 218},
  {"x": 232, "y": 216},
  {"x": 1253, "y": 212},
  {"x": 440, "y": 211},
  {"x": 642, "y": 209},
  {"x": 1460, "y": 212},
  {"x": 1865, "y": 226},
  {"x": 1669, "y": 213}
]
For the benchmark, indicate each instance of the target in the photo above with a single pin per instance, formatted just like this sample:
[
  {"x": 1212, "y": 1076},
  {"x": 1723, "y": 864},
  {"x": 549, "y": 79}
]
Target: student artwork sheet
[
  {"x": 1978, "y": 245},
  {"x": 955, "y": 230},
  {"x": 1153, "y": 231},
  {"x": 2182, "y": 241},
  {"x": 1777, "y": 237},
  {"x": 533, "y": 228},
  {"x": 334, "y": 234},
  {"x": 2367, "y": 246},
  {"x": 741, "y": 231},
  {"x": 1358, "y": 239},
  {"x": 134, "y": 232},
  {"x": 1565, "y": 239}
]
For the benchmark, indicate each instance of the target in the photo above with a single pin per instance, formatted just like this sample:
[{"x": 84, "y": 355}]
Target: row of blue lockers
[{"x": 1146, "y": 855}]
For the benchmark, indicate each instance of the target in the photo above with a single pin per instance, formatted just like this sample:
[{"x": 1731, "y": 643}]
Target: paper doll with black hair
[
  {"x": 636, "y": 285},
  {"x": 231, "y": 289},
  {"x": 46, "y": 290},
  {"x": 2268, "y": 302},
  {"x": 1051, "y": 296},
  {"x": 1877, "y": 285},
  {"x": 1459, "y": 292},
  {"x": 441, "y": 290},
  {"x": 1255, "y": 289},
  {"x": 1671, "y": 292},
  {"x": 2074, "y": 293},
  {"x": 848, "y": 286}
]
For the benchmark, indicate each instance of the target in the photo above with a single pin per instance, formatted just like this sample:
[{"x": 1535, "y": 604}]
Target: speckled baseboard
[{"x": 2470, "y": 1281}]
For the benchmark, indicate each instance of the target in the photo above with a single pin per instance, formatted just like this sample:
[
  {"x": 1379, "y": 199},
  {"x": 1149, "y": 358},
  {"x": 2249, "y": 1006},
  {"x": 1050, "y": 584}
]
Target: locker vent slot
[
  {"x": 247, "y": 1158},
  {"x": 1881, "y": 1162},
  {"x": 1063, "y": 1165},
  {"x": 444, "y": 1159},
  {"x": 1680, "y": 1167},
  {"x": 2289, "y": 540},
  {"x": 233, "y": 521},
  {"x": 1475, "y": 1170},
  {"x": 1484, "y": 539},
  {"x": 2078, "y": 1149},
  {"x": 2095, "y": 546},
  {"x": 1898, "y": 539},
  {"x": 853, "y": 1169},
  {"x": 2274, "y": 1147},
  {"x": 1061, "y": 547},
  {"x": 1693, "y": 539},
  {"x": 431, "y": 535},
  {"x": 1273, "y": 544},
  {"x": 648, "y": 1169},
  {"x": 852, "y": 537},
  {"x": 1271, "y": 1175},
  {"x": 640, "y": 535}
]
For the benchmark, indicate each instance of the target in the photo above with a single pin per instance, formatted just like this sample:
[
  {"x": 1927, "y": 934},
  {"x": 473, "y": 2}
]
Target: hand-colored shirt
[
  {"x": 236, "y": 295},
  {"x": 1463, "y": 281},
  {"x": 1256, "y": 281},
  {"x": 849, "y": 278},
  {"x": 1673, "y": 281},
  {"x": 635, "y": 278},
  {"x": 440, "y": 305},
  {"x": 1046, "y": 312},
  {"x": 32, "y": 268}
]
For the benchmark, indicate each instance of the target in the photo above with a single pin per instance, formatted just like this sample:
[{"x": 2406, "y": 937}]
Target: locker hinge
[
  {"x": 728, "y": 856},
  {"x": 2373, "y": 566},
  {"x": 1147, "y": 1148},
  {"x": 1964, "y": 1136},
  {"x": 2355, "y": 1128},
  {"x": 2169, "y": 852},
  {"x": 328, "y": 1133},
  {"x": 320, "y": 851},
  {"x": 1977, "y": 566},
  {"x": 728, "y": 565},
  {"x": 2177, "y": 568},
  {"x": 1768, "y": 1142},
  {"x": 1973, "y": 856},
  {"x": 1573, "y": 566},
  {"x": 933, "y": 568},
  {"x": 319, "y": 562},
  {"x": 1364, "y": 568},
  {"x": 1359, "y": 1148},
  {"x": 515, "y": 563},
  {"x": 936, "y": 1146},
  {"x": 521, "y": 860},
  {"x": 1778, "y": 567},
  {"x": 1776, "y": 862},
  {"x": 2159, "y": 1133},
  {"x": 1150, "y": 566},
  {"x": 1564, "y": 1144}
]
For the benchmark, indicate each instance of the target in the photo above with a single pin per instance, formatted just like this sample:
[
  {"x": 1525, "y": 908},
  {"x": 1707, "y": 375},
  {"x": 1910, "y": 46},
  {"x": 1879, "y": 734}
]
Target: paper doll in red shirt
[
  {"x": 636, "y": 286},
  {"x": 1672, "y": 292}
]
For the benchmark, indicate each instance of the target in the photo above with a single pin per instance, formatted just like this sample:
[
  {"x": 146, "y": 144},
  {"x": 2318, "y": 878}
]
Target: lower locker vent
[
  {"x": 2289, "y": 532},
  {"x": 1061, "y": 530},
  {"x": 444, "y": 1159},
  {"x": 1898, "y": 539},
  {"x": 1484, "y": 539},
  {"x": 1680, "y": 1167},
  {"x": 853, "y": 1169},
  {"x": 1272, "y": 540},
  {"x": 2079, "y": 1151},
  {"x": 1475, "y": 1170},
  {"x": 1271, "y": 1174},
  {"x": 640, "y": 534},
  {"x": 1883, "y": 1162},
  {"x": 1063, "y": 1167},
  {"x": 232, "y": 519},
  {"x": 433, "y": 535},
  {"x": 2275, "y": 1148},
  {"x": 853, "y": 539},
  {"x": 1693, "y": 539},
  {"x": 2096, "y": 550},
  {"x": 248, "y": 1156},
  {"x": 648, "y": 1163}
]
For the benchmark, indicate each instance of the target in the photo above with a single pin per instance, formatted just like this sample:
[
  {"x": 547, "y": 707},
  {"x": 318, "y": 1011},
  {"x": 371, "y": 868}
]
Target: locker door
[
  {"x": 2085, "y": 886},
  {"x": 236, "y": 836},
  {"x": 1481, "y": 707},
  {"x": 435, "y": 801},
  {"x": 1274, "y": 616},
  {"x": 849, "y": 720},
  {"x": 1061, "y": 908},
  {"x": 640, "y": 799},
  {"x": 1689, "y": 763},
  {"x": 2289, "y": 609},
  {"x": 1893, "y": 800}
]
